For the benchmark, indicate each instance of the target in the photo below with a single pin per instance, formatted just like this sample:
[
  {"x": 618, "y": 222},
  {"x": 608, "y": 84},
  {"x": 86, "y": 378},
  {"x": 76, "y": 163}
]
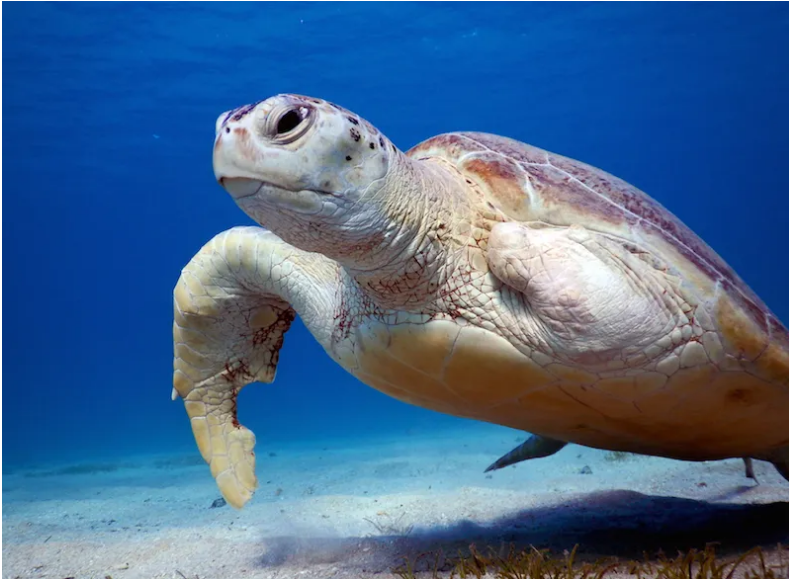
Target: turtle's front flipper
[
  {"x": 232, "y": 309},
  {"x": 535, "y": 447}
]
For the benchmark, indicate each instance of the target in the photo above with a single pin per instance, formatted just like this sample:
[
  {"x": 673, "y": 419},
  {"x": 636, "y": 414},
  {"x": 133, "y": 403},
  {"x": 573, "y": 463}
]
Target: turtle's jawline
[{"x": 242, "y": 187}]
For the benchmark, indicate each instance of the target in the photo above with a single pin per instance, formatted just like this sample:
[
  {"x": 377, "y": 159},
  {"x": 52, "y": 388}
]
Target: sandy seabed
[{"x": 337, "y": 509}]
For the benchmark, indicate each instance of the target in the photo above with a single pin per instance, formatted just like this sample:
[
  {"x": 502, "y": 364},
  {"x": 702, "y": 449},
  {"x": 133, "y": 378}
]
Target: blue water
[{"x": 109, "y": 113}]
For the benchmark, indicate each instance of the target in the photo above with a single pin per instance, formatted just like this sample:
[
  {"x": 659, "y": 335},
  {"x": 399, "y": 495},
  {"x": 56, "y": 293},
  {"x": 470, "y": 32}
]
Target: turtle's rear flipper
[
  {"x": 780, "y": 459},
  {"x": 749, "y": 469},
  {"x": 535, "y": 447}
]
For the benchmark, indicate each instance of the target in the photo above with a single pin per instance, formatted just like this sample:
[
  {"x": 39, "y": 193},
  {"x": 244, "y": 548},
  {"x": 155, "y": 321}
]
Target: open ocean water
[{"x": 108, "y": 189}]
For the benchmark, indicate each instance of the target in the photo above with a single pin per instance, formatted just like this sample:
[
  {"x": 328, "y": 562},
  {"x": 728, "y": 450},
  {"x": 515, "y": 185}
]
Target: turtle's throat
[{"x": 404, "y": 257}]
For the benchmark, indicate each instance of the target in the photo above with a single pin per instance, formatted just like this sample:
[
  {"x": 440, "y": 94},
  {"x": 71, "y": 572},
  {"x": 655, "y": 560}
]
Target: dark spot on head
[
  {"x": 372, "y": 145},
  {"x": 491, "y": 205},
  {"x": 355, "y": 134},
  {"x": 326, "y": 185},
  {"x": 227, "y": 129},
  {"x": 241, "y": 112},
  {"x": 348, "y": 157},
  {"x": 353, "y": 120},
  {"x": 381, "y": 141}
]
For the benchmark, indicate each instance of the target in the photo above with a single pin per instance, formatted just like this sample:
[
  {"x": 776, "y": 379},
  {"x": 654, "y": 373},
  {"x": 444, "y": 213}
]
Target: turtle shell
[{"x": 524, "y": 183}]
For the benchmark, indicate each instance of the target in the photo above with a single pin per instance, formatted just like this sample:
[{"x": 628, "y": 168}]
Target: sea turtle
[{"x": 477, "y": 276}]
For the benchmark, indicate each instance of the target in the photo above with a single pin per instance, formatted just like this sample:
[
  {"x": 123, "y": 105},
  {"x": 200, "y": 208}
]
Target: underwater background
[{"x": 109, "y": 113}]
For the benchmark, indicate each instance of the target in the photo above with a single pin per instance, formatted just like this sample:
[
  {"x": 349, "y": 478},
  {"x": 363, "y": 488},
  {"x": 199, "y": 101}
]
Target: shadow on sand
[{"x": 620, "y": 524}]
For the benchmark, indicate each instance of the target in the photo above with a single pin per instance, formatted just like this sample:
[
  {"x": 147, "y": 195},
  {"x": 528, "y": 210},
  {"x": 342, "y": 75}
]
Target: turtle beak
[
  {"x": 235, "y": 155},
  {"x": 240, "y": 187}
]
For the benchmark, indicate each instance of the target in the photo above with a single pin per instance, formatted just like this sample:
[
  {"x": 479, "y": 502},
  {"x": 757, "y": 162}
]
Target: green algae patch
[{"x": 533, "y": 563}]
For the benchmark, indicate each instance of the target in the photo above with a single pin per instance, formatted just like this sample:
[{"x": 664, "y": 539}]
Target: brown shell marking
[
  {"x": 562, "y": 182},
  {"x": 506, "y": 178},
  {"x": 761, "y": 340},
  {"x": 562, "y": 191}
]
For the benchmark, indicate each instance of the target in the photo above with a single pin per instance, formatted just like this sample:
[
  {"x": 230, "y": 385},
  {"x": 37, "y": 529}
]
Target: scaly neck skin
[
  {"x": 406, "y": 251},
  {"x": 397, "y": 241}
]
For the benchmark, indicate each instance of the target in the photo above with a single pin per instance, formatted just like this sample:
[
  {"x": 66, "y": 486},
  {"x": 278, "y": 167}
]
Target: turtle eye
[
  {"x": 287, "y": 124},
  {"x": 290, "y": 120}
]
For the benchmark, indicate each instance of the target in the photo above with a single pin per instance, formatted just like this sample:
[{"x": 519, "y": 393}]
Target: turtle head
[{"x": 306, "y": 169}]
